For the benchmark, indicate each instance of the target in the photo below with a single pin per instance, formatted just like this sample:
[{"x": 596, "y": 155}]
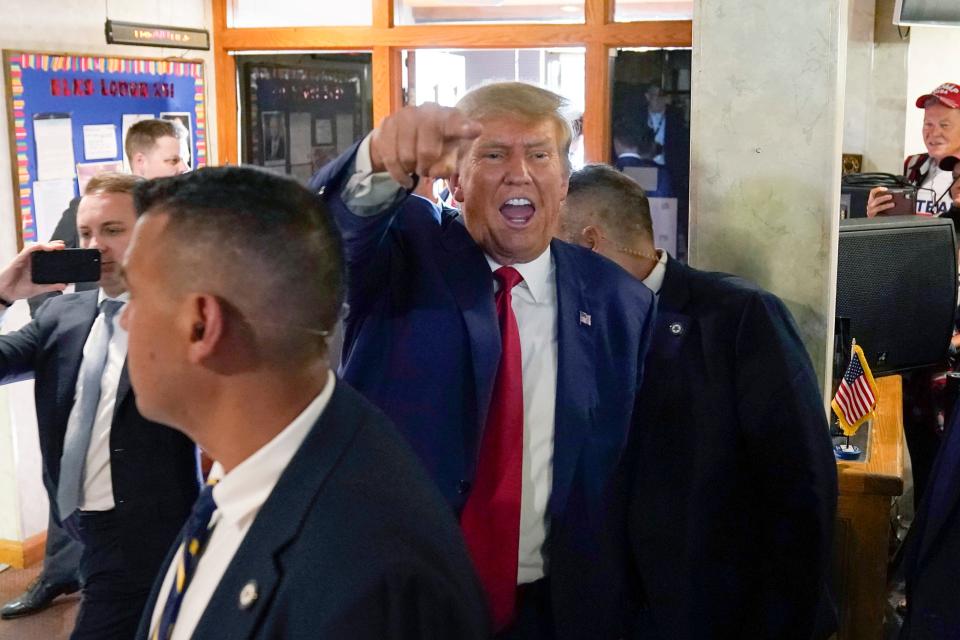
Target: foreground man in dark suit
[
  {"x": 120, "y": 484},
  {"x": 322, "y": 524},
  {"x": 932, "y": 555},
  {"x": 734, "y": 490},
  {"x": 430, "y": 342}
]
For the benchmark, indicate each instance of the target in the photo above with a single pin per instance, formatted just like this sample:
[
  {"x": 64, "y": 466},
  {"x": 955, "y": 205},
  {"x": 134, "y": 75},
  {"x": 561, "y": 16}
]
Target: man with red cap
[{"x": 941, "y": 135}]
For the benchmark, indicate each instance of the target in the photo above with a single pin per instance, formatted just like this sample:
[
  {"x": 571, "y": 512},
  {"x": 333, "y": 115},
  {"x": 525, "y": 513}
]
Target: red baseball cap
[{"x": 947, "y": 93}]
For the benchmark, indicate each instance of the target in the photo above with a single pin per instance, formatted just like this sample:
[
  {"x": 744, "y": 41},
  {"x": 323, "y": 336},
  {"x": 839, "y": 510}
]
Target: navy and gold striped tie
[{"x": 195, "y": 536}]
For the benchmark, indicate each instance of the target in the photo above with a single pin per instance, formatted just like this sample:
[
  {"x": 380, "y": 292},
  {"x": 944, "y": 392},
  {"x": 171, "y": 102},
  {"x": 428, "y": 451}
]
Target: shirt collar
[
  {"x": 240, "y": 493},
  {"x": 102, "y": 295},
  {"x": 536, "y": 273},
  {"x": 654, "y": 279}
]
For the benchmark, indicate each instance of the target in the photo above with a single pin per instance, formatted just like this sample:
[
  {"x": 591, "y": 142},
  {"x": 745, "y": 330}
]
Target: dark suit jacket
[
  {"x": 932, "y": 555},
  {"x": 153, "y": 468},
  {"x": 735, "y": 487},
  {"x": 423, "y": 344},
  {"x": 353, "y": 543}
]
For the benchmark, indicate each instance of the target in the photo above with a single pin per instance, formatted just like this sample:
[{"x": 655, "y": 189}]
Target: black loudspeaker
[{"x": 897, "y": 284}]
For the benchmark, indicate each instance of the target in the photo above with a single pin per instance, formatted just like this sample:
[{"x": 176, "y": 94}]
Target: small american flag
[{"x": 857, "y": 395}]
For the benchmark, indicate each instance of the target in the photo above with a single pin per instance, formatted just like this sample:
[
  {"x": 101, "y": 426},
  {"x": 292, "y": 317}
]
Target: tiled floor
[{"x": 54, "y": 623}]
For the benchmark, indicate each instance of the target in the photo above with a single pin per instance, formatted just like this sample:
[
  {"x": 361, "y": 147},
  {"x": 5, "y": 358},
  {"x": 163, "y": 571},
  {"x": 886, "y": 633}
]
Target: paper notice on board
[
  {"x": 99, "y": 141},
  {"x": 50, "y": 199},
  {"x": 86, "y": 170},
  {"x": 344, "y": 131},
  {"x": 53, "y": 138},
  {"x": 300, "y": 125}
]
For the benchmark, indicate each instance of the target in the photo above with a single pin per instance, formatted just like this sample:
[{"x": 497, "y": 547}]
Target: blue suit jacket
[
  {"x": 734, "y": 493},
  {"x": 353, "y": 543},
  {"x": 932, "y": 557},
  {"x": 153, "y": 468},
  {"x": 422, "y": 342}
]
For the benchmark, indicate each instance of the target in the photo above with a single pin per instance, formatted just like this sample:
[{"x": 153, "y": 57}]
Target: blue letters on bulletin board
[{"x": 93, "y": 90}]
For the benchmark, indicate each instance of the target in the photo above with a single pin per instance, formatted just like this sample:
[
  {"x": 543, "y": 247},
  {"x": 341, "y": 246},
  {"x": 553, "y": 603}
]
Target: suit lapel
[
  {"x": 468, "y": 275},
  {"x": 257, "y": 566},
  {"x": 576, "y": 377},
  {"x": 672, "y": 324}
]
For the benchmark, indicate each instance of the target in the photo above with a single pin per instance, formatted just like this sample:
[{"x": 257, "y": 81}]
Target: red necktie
[{"x": 491, "y": 516}]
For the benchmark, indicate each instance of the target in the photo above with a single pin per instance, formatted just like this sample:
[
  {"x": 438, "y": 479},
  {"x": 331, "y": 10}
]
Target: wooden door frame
[{"x": 598, "y": 34}]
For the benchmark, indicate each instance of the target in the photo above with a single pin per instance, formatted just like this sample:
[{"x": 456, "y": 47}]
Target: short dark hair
[
  {"x": 144, "y": 134},
  {"x": 614, "y": 201},
  {"x": 635, "y": 134},
  {"x": 263, "y": 241}
]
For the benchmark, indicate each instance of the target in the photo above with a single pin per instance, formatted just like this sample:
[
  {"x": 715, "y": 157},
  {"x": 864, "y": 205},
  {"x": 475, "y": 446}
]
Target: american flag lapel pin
[{"x": 585, "y": 318}]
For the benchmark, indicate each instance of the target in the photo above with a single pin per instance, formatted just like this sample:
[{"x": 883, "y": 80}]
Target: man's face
[
  {"x": 151, "y": 317},
  {"x": 941, "y": 131},
  {"x": 511, "y": 184},
  {"x": 161, "y": 161},
  {"x": 105, "y": 222}
]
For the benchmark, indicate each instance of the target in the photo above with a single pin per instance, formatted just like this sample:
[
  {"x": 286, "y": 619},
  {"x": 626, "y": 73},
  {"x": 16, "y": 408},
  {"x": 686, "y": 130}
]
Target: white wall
[
  {"x": 934, "y": 58},
  {"x": 67, "y": 26}
]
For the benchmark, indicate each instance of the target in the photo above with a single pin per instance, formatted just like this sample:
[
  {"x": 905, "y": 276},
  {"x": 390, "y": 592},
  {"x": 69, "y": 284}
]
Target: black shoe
[{"x": 38, "y": 596}]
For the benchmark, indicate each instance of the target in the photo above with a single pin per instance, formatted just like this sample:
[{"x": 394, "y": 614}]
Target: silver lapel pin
[{"x": 249, "y": 594}]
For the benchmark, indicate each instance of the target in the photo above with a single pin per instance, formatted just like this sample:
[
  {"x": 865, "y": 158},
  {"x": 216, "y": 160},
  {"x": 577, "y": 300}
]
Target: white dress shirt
[
  {"x": 534, "y": 303},
  {"x": 239, "y": 495},
  {"x": 654, "y": 279},
  {"x": 97, "y": 480},
  {"x": 535, "y": 306}
]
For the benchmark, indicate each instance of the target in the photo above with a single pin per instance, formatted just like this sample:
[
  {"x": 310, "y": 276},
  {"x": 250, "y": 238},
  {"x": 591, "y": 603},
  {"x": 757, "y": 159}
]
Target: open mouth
[{"x": 517, "y": 212}]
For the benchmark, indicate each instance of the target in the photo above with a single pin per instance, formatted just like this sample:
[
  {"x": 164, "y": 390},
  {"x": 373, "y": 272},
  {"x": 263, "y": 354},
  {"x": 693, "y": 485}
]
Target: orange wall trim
[
  {"x": 23, "y": 554},
  {"x": 598, "y": 34}
]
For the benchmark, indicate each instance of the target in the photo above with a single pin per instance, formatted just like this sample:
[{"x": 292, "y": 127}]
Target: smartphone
[
  {"x": 65, "y": 266},
  {"x": 904, "y": 202}
]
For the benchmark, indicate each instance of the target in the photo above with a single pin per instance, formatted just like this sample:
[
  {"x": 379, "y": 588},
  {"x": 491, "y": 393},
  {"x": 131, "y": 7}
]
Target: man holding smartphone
[
  {"x": 153, "y": 151},
  {"x": 120, "y": 484}
]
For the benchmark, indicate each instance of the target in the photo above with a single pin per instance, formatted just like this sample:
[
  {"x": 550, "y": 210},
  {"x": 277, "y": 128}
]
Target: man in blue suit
[
  {"x": 734, "y": 480},
  {"x": 122, "y": 485},
  {"x": 509, "y": 361},
  {"x": 321, "y": 523},
  {"x": 932, "y": 556}
]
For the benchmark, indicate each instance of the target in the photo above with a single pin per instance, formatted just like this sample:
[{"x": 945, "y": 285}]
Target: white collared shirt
[
  {"x": 534, "y": 303},
  {"x": 239, "y": 495},
  {"x": 654, "y": 279},
  {"x": 97, "y": 479}
]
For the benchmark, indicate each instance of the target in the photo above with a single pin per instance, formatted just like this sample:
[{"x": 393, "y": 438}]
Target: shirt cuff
[{"x": 367, "y": 193}]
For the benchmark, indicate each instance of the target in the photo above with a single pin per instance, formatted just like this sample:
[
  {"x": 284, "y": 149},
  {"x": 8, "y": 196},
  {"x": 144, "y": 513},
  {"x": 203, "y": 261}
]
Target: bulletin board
[{"x": 68, "y": 116}]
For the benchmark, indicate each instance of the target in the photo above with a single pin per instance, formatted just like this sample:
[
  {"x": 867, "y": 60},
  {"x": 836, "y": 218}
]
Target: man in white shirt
[
  {"x": 119, "y": 483},
  {"x": 507, "y": 360},
  {"x": 734, "y": 423},
  {"x": 320, "y": 524}
]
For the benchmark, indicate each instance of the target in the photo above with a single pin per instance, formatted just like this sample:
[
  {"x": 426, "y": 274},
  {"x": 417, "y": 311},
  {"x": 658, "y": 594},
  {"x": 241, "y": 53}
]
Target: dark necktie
[
  {"x": 195, "y": 536},
  {"x": 491, "y": 516},
  {"x": 73, "y": 461}
]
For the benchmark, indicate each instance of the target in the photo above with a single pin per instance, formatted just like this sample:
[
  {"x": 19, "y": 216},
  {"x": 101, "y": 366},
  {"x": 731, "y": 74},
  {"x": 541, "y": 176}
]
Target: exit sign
[{"x": 152, "y": 35}]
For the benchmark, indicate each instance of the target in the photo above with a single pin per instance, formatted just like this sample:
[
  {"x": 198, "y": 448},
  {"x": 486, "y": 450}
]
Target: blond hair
[
  {"x": 109, "y": 182},
  {"x": 520, "y": 100}
]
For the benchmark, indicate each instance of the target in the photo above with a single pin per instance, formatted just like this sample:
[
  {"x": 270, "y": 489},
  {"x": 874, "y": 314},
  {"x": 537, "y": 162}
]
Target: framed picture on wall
[{"x": 274, "y": 135}]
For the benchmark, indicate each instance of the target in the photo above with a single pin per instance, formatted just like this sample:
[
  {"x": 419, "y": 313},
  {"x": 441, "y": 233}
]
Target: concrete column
[{"x": 766, "y": 132}]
